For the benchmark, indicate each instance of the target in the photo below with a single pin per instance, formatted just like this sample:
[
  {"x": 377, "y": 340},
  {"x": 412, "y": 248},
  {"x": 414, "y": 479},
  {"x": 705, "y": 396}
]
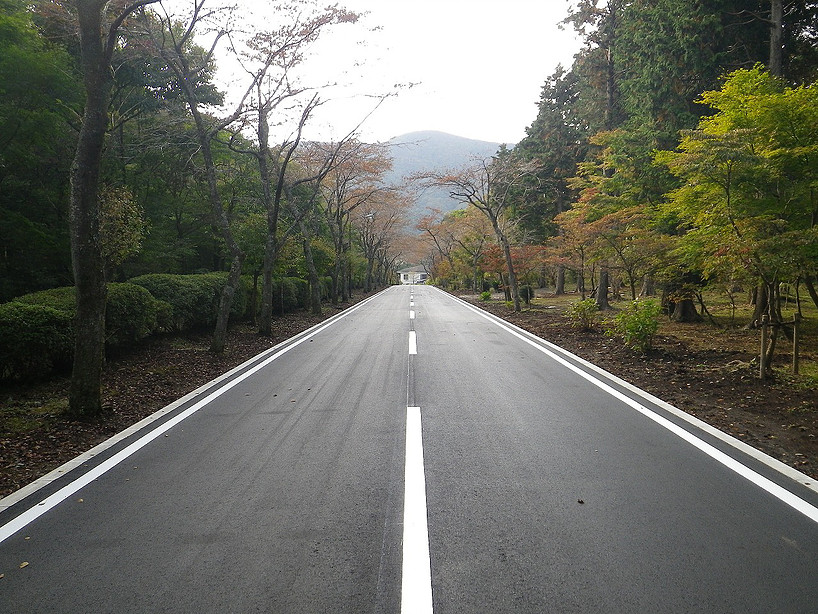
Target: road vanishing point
[{"x": 414, "y": 454}]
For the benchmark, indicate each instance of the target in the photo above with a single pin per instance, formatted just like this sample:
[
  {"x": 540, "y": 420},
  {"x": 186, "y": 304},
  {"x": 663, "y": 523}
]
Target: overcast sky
[{"x": 478, "y": 66}]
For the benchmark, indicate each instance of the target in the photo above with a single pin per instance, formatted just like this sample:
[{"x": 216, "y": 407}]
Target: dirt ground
[{"x": 715, "y": 383}]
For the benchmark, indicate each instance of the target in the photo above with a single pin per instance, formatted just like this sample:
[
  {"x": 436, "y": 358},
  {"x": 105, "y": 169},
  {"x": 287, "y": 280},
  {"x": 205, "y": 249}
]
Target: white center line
[
  {"x": 416, "y": 589},
  {"x": 413, "y": 343},
  {"x": 411, "y": 314}
]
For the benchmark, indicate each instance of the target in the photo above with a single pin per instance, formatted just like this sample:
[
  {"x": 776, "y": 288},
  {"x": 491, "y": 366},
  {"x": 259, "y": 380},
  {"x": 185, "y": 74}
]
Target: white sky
[{"x": 479, "y": 66}]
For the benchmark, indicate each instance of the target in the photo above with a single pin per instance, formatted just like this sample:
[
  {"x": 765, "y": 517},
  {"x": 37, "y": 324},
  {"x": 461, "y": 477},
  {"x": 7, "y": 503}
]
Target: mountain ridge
[{"x": 433, "y": 151}]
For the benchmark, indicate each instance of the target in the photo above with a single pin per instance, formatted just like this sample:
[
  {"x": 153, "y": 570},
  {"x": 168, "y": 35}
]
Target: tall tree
[
  {"x": 491, "y": 186},
  {"x": 98, "y": 38},
  {"x": 748, "y": 197},
  {"x": 174, "y": 44}
]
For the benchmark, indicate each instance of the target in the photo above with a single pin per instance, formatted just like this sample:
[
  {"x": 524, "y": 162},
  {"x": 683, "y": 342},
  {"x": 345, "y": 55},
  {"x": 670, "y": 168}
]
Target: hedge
[
  {"x": 132, "y": 313},
  {"x": 289, "y": 293},
  {"x": 34, "y": 340},
  {"x": 37, "y": 329},
  {"x": 194, "y": 299}
]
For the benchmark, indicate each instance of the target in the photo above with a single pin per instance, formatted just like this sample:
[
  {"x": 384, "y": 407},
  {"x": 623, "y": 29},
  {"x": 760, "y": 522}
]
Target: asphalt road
[{"x": 415, "y": 454}]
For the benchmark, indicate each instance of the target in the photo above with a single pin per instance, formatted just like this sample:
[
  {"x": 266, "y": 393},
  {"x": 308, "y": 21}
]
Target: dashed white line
[
  {"x": 413, "y": 343},
  {"x": 411, "y": 314},
  {"x": 416, "y": 585}
]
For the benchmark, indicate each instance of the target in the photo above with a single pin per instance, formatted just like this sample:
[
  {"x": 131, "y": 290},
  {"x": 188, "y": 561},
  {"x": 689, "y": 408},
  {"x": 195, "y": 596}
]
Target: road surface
[{"x": 415, "y": 454}]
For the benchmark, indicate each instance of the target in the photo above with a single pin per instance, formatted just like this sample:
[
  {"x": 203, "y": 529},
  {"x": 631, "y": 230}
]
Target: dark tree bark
[
  {"x": 777, "y": 38},
  {"x": 179, "y": 62},
  {"x": 601, "y": 294},
  {"x": 685, "y": 311},
  {"x": 88, "y": 263},
  {"x": 809, "y": 282},
  {"x": 559, "y": 289}
]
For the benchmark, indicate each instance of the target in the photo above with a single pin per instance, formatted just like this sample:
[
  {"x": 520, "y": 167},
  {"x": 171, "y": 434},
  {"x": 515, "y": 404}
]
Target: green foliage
[
  {"x": 34, "y": 340},
  {"x": 194, "y": 299},
  {"x": 485, "y": 296},
  {"x": 122, "y": 226},
  {"x": 39, "y": 91},
  {"x": 637, "y": 324},
  {"x": 326, "y": 287},
  {"x": 748, "y": 198},
  {"x": 583, "y": 315},
  {"x": 61, "y": 299},
  {"x": 133, "y": 314},
  {"x": 36, "y": 330},
  {"x": 289, "y": 294}
]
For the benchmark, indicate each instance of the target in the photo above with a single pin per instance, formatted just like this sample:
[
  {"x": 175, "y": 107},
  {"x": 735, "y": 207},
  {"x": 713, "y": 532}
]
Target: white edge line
[
  {"x": 756, "y": 478},
  {"x": 416, "y": 580},
  {"x": 34, "y": 512}
]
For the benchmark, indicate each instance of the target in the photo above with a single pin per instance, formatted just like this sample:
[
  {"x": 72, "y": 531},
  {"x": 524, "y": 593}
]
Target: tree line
[
  {"x": 121, "y": 157},
  {"x": 678, "y": 152}
]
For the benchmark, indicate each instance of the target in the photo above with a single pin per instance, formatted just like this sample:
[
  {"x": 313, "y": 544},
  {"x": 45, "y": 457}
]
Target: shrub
[
  {"x": 289, "y": 294},
  {"x": 194, "y": 299},
  {"x": 133, "y": 314},
  {"x": 526, "y": 293},
  {"x": 485, "y": 296},
  {"x": 637, "y": 324},
  {"x": 583, "y": 315},
  {"x": 61, "y": 299},
  {"x": 34, "y": 340}
]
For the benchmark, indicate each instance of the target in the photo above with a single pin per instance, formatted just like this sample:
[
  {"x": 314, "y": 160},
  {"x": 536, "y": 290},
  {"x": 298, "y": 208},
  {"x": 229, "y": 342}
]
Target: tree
[
  {"x": 748, "y": 198},
  {"x": 175, "y": 44},
  {"x": 97, "y": 42},
  {"x": 40, "y": 94},
  {"x": 377, "y": 223},
  {"x": 490, "y": 187},
  {"x": 271, "y": 60},
  {"x": 353, "y": 179}
]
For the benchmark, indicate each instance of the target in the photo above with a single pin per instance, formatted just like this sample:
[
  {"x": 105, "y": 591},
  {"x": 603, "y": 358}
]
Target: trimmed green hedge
[
  {"x": 289, "y": 294},
  {"x": 37, "y": 335},
  {"x": 34, "y": 339},
  {"x": 132, "y": 313},
  {"x": 37, "y": 329},
  {"x": 194, "y": 299}
]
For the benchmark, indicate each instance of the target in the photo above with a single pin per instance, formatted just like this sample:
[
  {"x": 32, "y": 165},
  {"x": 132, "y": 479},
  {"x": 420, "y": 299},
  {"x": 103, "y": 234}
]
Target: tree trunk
[
  {"x": 777, "y": 38},
  {"x": 315, "y": 282},
  {"x": 809, "y": 282},
  {"x": 265, "y": 324},
  {"x": 601, "y": 294},
  {"x": 559, "y": 289},
  {"x": 685, "y": 311},
  {"x": 85, "y": 398},
  {"x": 648, "y": 286}
]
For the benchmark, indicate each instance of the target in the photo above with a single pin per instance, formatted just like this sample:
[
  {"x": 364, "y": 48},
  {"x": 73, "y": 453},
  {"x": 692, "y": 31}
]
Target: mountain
[{"x": 438, "y": 152}]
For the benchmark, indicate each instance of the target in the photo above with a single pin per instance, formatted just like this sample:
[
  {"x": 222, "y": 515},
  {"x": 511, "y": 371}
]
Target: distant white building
[{"x": 413, "y": 275}]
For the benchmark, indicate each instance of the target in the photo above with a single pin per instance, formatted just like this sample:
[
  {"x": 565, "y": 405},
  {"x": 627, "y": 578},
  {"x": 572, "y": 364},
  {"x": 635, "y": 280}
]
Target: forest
[
  {"x": 136, "y": 197},
  {"x": 677, "y": 154},
  {"x": 675, "y": 158}
]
